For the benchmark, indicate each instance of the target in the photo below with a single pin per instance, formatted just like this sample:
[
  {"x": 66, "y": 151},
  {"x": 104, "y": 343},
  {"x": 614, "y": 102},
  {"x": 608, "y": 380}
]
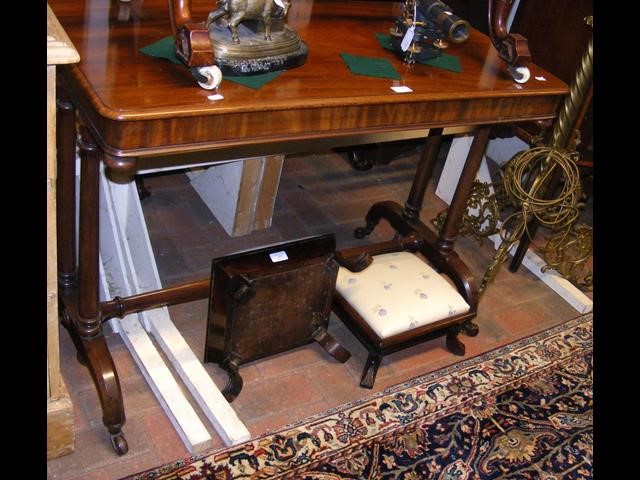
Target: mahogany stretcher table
[{"x": 135, "y": 111}]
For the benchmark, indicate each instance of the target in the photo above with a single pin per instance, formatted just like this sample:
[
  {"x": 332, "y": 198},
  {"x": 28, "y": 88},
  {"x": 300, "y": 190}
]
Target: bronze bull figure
[{"x": 240, "y": 10}]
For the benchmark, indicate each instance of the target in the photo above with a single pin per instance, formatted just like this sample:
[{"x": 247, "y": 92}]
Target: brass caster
[{"x": 119, "y": 443}]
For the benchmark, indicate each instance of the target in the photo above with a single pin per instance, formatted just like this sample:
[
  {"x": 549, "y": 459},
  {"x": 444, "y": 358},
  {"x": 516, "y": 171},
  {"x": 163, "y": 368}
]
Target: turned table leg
[
  {"x": 79, "y": 291},
  {"x": 449, "y": 230},
  {"x": 89, "y": 323},
  {"x": 423, "y": 174},
  {"x": 66, "y": 190},
  {"x": 413, "y": 205}
]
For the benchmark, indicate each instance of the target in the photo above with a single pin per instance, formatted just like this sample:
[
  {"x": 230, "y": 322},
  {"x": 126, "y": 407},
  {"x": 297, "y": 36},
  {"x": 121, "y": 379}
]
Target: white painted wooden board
[
  {"x": 183, "y": 417},
  {"x": 142, "y": 275},
  {"x": 219, "y": 188},
  {"x": 216, "y": 408},
  {"x": 454, "y": 163},
  {"x": 505, "y": 150},
  {"x": 563, "y": 287},
  {"x": 115, "y": 281}
]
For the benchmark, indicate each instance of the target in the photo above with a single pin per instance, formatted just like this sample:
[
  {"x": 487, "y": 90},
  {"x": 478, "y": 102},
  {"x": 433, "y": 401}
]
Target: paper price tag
[
  {"x": 402, "y": 89},
  {"x": 280, "y": 256},
  {"x": 408, "y": 38}
]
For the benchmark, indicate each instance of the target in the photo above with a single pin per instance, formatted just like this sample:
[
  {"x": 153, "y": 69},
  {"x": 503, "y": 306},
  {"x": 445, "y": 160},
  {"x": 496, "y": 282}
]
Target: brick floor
[{"x": 318, "y": 193}]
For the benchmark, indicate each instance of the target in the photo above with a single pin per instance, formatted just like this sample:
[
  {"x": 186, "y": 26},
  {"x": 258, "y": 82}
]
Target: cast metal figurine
[
  {"x": 251, "y": 37},
  {"x": 240, "y": 10},
  {"x": 239, "y": 37}
]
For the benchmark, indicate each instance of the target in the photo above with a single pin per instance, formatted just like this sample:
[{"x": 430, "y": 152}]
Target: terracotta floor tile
[
  {"x": 293, "y": 360},
  {"x": 169, "y": 257},
  {"x": 339, "y": 385},
  {"x": 130, "y": 465},
  {"x": 490, "y": 331},
  {"x": 91, "y": 475},
  {"x": 307, "y": 210},
  {"x": 526, "y": 318},
  {"x": 136, "y": 394},
  {"x": 94, "y": 452},
  {"x": 302, "y": 411},
  {"x": 166, "y": 440},
  {"x": 261, "y": 425},
  {"x": 275, "y": 395},
  {"x": 354, "y": 211}
]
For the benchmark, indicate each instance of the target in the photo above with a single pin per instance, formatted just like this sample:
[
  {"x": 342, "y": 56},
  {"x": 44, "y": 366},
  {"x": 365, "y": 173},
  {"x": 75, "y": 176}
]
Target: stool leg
[
  {"x": 370, "y": 370},
  {"x": 234, "y": 384},
  {"x": 470, "y": 328},
  {"x": 454, "y": 345}
]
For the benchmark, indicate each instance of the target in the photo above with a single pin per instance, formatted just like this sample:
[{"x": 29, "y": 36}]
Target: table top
[{"x": 137, "y": 105}]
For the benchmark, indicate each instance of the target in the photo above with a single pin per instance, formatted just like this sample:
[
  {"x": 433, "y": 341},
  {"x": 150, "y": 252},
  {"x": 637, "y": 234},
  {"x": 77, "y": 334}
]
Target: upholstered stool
[{"x": 394, "y": 300}]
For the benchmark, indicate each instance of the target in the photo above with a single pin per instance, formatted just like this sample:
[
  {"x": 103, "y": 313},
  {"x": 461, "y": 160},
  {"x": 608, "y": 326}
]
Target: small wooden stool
[
  {"x": 391, "y": 299},
  {"x": 270, "y": 300}
]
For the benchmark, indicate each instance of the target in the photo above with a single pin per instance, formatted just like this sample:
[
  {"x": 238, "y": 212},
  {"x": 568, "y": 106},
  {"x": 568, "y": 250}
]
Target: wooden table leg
[
  {"x": 89, "y": 323},
  {"x": 88, "y": 245},
  {"x": 79, "y": 293},
  {"x": 423, "y": 174},
  {"x": 413, "y": 205},
  {"x": 458, "y": 206},
  {"x": 66, "y": 190}
]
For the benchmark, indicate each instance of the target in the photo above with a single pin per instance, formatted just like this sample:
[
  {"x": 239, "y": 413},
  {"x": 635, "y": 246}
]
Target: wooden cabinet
[{"x": 60, "y": 429}]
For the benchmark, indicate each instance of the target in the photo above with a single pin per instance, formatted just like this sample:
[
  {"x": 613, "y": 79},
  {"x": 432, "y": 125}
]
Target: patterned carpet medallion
[{"x": 523, "y": 411}]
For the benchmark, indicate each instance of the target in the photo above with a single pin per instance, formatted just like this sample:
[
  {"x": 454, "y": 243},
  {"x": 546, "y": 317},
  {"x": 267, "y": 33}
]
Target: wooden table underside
[{"x": 135, "y": 107}]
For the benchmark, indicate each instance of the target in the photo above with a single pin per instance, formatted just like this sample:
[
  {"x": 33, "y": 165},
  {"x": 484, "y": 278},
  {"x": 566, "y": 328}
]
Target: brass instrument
[{"x": 423, "y": 29}]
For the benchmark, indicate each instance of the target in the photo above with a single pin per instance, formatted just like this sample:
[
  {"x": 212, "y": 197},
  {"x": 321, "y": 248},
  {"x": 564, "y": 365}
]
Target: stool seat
[
  {"x": 399, "y": 292},
  {"x": 402, "y": 292}
]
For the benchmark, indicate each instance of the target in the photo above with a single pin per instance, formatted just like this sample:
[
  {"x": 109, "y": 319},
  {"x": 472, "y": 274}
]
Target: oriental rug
[{"x": 522, "y": 411}]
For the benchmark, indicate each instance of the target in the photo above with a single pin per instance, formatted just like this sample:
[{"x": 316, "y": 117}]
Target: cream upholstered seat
[
  {"x": 399, "y": 292},
  {"x": 391, "y": 298}
]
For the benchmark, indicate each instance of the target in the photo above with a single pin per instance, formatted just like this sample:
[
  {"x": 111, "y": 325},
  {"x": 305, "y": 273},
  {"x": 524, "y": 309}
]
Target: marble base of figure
[{"x": 254, "y": 54}]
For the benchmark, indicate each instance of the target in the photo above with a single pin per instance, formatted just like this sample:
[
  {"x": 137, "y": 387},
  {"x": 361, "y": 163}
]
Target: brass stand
[{"x": 540, "y": 186}]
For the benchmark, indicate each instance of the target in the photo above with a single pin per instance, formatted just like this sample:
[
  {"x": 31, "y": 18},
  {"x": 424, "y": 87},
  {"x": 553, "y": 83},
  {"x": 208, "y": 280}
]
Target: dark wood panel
[{"x": 557, "y": 33}]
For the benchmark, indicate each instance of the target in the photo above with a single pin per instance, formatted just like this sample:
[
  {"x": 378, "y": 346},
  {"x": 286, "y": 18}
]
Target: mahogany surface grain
[{"x": 140, "y": 105}]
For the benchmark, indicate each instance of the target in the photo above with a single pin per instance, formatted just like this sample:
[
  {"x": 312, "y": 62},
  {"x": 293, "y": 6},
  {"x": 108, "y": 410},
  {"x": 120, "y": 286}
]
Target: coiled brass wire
[{"x": 558, "y": 212}]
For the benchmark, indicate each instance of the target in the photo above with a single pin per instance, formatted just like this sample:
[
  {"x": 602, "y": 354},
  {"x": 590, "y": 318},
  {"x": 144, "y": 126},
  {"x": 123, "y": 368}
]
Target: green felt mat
[
  {"x": 165, "y": 48},
  {"x": 444, "y": 61},
  {"x": 254, "y": 81},
  {"x": 370, "y": 66}
]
